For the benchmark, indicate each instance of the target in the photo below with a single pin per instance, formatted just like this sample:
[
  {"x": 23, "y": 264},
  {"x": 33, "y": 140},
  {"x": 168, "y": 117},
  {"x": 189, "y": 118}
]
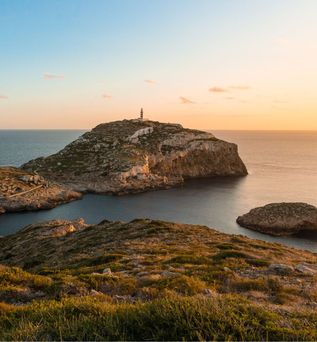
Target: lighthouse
[{"x": 141, "y": 114}]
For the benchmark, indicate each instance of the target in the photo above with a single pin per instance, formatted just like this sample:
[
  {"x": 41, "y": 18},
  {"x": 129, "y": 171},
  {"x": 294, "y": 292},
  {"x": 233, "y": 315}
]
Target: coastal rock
[
  {"x": 21, "y": 191},
  {"x": 281, "y": 219},
  {"x": 134, "y": 155}
]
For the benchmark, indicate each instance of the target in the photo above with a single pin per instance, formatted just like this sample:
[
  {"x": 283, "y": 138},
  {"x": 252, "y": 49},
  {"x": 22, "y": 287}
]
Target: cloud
[
  {"x": 229, "y": 88},
  {"x": 229, "y": 98},
  {"x": 185, "y": 100},
  {"x": 218, "y": 90},
  {"x": 150, "y": 81},
  {"x": 240, "y": 87},
  {"x": 107, "y": 97},
  {"x": 48, "y": 76},
  {"x": 3, "y": 97}
]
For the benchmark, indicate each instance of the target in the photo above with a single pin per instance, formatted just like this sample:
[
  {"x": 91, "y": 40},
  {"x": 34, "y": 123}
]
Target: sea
[{"x": 282, "y": 167}]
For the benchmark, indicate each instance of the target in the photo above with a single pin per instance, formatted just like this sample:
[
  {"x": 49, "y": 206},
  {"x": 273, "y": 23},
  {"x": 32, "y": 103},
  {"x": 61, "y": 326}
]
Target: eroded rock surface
[
  {"x": 20, "y": 190},
  {"x": 281, "y": 218},
  {"x": 132, "y": 156}
]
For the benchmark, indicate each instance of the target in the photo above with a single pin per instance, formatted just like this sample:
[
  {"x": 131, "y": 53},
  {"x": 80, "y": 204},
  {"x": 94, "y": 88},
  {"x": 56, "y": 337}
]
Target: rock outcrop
[
  {"x": 281, "y": 219},
  {"x": 133, "y": 155},
  {"x": 21, "y": 191}
]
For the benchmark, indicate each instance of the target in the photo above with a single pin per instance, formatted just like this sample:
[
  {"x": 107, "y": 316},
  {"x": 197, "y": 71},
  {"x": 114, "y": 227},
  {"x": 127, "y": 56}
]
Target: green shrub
[
  {"x": 188, "y": 259},
  {"x": 258, "y": 262},
  {"x": 230, "y": 254}
]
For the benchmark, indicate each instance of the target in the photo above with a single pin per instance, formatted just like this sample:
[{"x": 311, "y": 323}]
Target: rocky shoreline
[{"x": 23, "y": 191}]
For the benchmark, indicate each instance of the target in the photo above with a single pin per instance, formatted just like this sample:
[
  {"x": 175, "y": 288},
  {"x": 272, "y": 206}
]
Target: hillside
[
  {"x": 133, "y": 155},
  {"x": 152, "y": 280}
]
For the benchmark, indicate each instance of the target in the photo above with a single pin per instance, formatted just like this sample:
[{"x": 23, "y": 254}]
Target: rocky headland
[
  {"x": 281, "y": 219},
  {"x": 21, "y": 190},
  {"x": 134, "y": 155},
  {"x": 152, "y": 280}
]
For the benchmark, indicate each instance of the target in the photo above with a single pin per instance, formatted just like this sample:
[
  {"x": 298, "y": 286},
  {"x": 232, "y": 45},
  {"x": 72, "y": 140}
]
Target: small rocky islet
[{"x": 281, "y": 219}]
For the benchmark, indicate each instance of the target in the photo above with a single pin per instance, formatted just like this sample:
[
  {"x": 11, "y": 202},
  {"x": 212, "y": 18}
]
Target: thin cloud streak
[
  {"x": 185, "y": 100},
  {"x": 48, "y": 76},
  {"x": 218, "y": 90},
  {"x": 240, "y": 87},
  {"x": 107, "y": 97},
  {"x": 3, "y": 97},
  {"x": 150, "y": 82}
]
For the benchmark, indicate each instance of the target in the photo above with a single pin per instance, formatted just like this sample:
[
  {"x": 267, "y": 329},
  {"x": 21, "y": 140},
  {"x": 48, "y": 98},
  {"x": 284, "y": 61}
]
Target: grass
[{"x": 176, "y": 318}]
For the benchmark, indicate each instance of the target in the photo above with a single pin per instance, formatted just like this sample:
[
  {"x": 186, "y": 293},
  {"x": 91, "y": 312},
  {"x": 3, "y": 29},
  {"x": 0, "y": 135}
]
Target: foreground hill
[
  {"x": 152, "y": 280},
  {"x": 134, "y": 155}
]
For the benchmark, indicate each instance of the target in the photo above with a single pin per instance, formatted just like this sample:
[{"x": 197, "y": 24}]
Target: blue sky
[{"x": 74, "y": 63}]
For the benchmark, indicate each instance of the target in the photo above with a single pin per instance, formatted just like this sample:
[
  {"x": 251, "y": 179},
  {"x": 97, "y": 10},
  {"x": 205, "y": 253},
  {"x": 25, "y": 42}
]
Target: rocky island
[
  {"x": 152, "y": 280},
  {"x": 281, "y": 219},
  {"x": 137, "y": 155},
  {"x": 20, "y": 190}
]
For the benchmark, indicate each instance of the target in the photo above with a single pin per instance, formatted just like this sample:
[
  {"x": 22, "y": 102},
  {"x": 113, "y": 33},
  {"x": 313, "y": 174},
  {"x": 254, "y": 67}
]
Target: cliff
[
  {"x": 152, "y": 280},
  {"x": 20, "y": 190},
  {"x": 133, "y": 155}
]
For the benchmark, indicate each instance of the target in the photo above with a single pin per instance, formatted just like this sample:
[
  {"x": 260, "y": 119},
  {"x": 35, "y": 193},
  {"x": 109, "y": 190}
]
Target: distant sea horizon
[{"x": 282, "y": 167}]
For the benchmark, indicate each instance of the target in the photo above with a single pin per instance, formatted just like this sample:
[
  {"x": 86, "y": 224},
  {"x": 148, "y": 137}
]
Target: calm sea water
[{"x": 282, "y": 167}]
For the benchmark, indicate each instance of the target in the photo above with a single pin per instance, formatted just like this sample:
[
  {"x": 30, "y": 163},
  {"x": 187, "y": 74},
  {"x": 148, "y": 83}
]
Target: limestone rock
[
  {"x": 307, "y": 269},
  {"x": 132, "y": 156},
  {"x": 281, "y": 218},
  {"x": 107, "y": 271}
]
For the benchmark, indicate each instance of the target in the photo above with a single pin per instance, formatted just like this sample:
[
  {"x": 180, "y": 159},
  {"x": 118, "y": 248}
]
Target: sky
[{"x": 207, "y": 64}]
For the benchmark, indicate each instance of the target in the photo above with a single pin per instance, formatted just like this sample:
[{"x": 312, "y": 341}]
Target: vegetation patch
[{"x": 230, "y": 254}]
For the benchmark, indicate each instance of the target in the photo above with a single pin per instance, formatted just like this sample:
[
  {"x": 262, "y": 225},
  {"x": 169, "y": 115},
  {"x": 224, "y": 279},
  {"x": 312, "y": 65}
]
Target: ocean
[{"x": 282, "y": 167}]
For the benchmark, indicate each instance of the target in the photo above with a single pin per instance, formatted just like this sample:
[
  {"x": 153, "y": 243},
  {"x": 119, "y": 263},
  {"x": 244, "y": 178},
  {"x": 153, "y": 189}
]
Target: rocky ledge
[
  {"x": 281, "y": 219},
  {"x": 133, "y": 155},
  {"x": 152, "y": 280},
  {"x": 20, "y": 190}
]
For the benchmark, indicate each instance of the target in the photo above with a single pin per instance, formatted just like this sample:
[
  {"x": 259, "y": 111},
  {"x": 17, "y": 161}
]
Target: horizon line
[{"x": 201, "y": 129}]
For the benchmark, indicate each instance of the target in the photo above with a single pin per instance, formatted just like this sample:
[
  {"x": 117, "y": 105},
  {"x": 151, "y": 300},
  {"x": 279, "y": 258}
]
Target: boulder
[{"x": 281, "y": 219}]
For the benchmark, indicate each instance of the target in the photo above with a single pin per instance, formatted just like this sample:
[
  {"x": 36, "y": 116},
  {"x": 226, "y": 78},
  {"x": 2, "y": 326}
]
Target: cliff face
[{"x": 133, "y": 155}]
